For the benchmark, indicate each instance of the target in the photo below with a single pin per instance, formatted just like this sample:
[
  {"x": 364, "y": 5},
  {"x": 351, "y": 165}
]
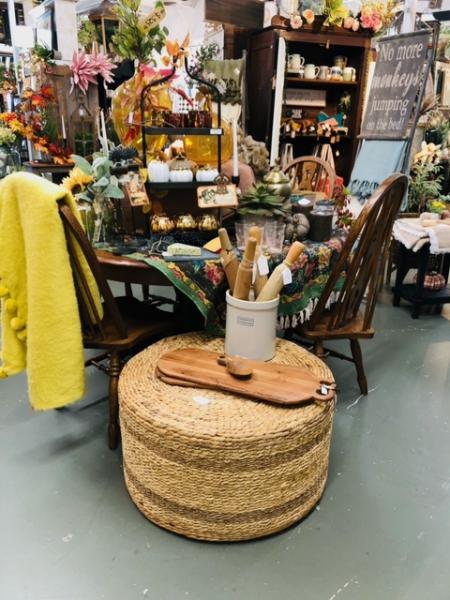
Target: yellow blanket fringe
[{"x": 41, "y": 328}]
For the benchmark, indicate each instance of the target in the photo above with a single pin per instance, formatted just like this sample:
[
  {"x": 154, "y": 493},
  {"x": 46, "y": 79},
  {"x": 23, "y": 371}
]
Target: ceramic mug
[
  {"x": 349, "y": 74},
  {"x": 336, "y": 73},
  {"x": 311, "y": 71},
  {"x": 324, "y": 72},
  {"x": 340, "y": 61},
  {"x": 295, "y": 62}
]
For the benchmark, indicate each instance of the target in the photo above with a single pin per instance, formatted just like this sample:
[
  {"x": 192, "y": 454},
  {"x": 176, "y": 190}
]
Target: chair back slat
[
  {"x": 362, "y": 258},
  {"x": 91, "y": 321},
  {"x": 307, "y": 172}
]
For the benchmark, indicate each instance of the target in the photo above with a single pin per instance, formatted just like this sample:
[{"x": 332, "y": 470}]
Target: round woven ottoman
[{"x": 214, "y": 466}]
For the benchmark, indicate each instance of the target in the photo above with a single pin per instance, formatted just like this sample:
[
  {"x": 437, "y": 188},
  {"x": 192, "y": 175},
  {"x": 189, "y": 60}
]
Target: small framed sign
[
  {"x": 135, "y": 191},
  {"x": 220, "y": 195}
]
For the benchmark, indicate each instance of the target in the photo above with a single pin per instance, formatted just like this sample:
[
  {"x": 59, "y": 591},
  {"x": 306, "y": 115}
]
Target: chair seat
[
  {"x": 142, "y": 323},
  {"x": 352, "y": 330}
]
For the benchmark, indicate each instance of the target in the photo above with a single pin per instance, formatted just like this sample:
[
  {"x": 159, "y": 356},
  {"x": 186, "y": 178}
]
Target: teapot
[{"x": 278, "y": 182}]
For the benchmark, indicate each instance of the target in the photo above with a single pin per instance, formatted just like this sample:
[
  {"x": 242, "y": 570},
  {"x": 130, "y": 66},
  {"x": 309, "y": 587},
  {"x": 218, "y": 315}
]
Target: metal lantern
[
  {"x": 106, "y": 22},
  {"x": 84, "y": 127}
]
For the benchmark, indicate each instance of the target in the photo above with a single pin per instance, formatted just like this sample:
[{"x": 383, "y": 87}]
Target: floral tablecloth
[{"x": 204, "y": 282}]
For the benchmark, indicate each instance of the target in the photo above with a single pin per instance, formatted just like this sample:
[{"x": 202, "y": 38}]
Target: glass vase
[
  {"x": 105, "y": 221},
  {"x": 9, "y": 161}
]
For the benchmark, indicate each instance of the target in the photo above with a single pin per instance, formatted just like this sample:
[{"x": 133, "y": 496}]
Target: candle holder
[{"x": 235, "y": 179}]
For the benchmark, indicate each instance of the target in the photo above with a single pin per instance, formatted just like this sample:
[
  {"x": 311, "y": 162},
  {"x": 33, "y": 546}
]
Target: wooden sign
[
  {"x": 215, "y": 196},
  {"x": 135, "y": 191},
  {"x": 395, "y": 84}
]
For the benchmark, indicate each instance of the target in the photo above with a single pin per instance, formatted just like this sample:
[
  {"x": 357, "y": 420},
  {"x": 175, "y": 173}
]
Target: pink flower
[
  {"x": 348, "y": 22},
  {"x": 309, "y": 16},
  {"x": 366, "y": 19},
  {"x": 84, "y": 71},
  {"x": 103, "y": 66},
  {"x": 296, "y": 21},
  {"x": 377, "y": 22}
]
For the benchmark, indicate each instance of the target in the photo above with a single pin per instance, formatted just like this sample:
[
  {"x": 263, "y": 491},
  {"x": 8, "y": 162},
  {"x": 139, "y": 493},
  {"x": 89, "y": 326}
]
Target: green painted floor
[{"x": 68, "y": 530}]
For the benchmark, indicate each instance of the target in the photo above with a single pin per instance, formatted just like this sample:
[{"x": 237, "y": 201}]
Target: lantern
[
  {"x": 84, "y": 127},
  {"x": 106, "y": 23}
]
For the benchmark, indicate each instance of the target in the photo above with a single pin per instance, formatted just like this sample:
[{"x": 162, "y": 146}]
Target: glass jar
[
  {"x": 9, "y": 161},
  {"x": 104, "y": 220}
]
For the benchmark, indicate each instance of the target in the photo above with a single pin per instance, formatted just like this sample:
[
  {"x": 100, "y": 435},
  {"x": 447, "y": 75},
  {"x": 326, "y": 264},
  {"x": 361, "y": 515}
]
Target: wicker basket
[{"x": 214, "y": 466}]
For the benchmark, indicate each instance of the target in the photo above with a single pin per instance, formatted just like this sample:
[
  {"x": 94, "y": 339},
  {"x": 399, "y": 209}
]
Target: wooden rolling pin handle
[
  {"x": 225, "y": 239},
  {"x": 256, "y": 232},
  {"x": 250, "y": 249},
  {"x": 294, "y": 252}
]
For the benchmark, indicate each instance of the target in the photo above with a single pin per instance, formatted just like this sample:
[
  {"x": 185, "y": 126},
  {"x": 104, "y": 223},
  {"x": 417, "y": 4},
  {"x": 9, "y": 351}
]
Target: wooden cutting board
[{"x": 271, "y": 382}]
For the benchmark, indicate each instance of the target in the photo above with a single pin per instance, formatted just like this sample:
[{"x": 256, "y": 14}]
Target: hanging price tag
[
  {"x": 263, "y": 265},
  {"x": 287, "y": 276},
  {"x": 130, "y": 118}
]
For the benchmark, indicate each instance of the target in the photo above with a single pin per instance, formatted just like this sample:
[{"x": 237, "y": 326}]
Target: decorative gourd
[
  {"x": 297, "y": 227},
  {"x": 207, "y": 222},
  {"x": 186, "y": 223},
  {"x": 158, "y": 171},
  {"x": 206, "y": 174},
  {"x": 180, "y": 170},
  {"x": 162, "y": 224}
]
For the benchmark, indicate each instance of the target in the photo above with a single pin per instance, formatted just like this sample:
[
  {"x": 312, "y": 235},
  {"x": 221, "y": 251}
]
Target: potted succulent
[{"x": 260, "y": 204}]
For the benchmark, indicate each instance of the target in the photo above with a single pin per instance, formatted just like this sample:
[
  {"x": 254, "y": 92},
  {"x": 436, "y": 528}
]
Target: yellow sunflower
[{"x": 77, "y": 180}]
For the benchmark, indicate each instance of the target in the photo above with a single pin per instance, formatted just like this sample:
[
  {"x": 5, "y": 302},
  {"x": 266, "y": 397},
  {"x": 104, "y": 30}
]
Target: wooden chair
[
  {"x": 127, "y": 325},
  {"x": 307, "y": 173},
  {"x": 362, "y": 259}
]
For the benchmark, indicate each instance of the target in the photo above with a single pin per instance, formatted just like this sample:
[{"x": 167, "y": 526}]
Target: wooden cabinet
[{"x": 269, "y": 81}]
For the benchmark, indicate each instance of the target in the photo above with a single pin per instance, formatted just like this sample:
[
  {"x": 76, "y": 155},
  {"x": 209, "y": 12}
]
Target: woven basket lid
[{"x": 210, "y": 414}]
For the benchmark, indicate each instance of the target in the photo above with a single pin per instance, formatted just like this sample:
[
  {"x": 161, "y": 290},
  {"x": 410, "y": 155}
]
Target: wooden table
[
  {"x": 128, "y": 271},
  {"x": 58, "y": 172},
  {"x": 415, "y": 293}
]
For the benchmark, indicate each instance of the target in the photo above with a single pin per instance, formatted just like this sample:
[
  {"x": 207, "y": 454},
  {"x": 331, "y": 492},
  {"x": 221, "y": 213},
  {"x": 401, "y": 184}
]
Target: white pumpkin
[
  {"x": 158, "y": 171},
  {"x": 181, "y": 176},
  {"x": 206, "y": 175}
]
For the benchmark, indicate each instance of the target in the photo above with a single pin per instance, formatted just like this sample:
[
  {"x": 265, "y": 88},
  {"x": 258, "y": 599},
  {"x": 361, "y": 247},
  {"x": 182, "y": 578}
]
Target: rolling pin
[
  {"x": 276, "y": 280},
  {"x": 244, "y": 275},
  {"x": 228, "y": 257},
  {"x": 260, "y": 280}
]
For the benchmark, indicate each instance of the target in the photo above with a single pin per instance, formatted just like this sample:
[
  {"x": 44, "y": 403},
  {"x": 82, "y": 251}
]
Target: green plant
[
  {"x": 87, "y": 34},
  {"x": 42, "y": 53},
  {"x": 133, "y": 39},
  {"x": 7, "y": 137},
  {"x": 335, "y": 12},
  {"x": 103, "y": 182},
  {"x": 122, "y": 153},
  {"x": 436, "y": 206},
  {"x": 203, "y": 55},
  {"x": 260, "y": 200},
  {"x": 424, "y": 185}
]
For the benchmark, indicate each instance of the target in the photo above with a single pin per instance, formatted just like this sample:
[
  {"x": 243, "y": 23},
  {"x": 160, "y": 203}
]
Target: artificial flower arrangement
[
  {"x": 7, "y": 80},
  {"x": 374, "y": 15},
  {"x": 7, "y": 137},
  {"x": 87, "y": 67},
  {"x": 88, "y": 182},
  {"x": 34, "y": 120}
]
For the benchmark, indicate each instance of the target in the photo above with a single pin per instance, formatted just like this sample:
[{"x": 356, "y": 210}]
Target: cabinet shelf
[
  {"x": 171, "y": 185},
  {"x": 319, "y": 82},
  {"x": 318, "y": 138},
  {"x": 183, "y": 130}
]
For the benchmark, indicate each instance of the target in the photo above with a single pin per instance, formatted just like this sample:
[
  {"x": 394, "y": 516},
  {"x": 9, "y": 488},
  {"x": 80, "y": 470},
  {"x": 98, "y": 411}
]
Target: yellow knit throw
[{"x": 41, "y": 328}]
